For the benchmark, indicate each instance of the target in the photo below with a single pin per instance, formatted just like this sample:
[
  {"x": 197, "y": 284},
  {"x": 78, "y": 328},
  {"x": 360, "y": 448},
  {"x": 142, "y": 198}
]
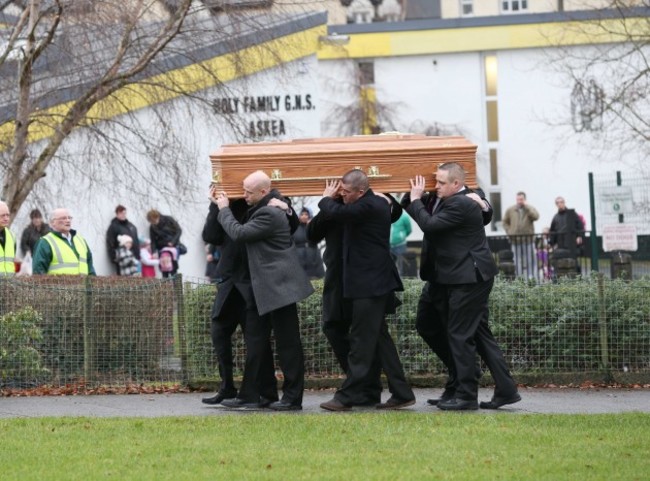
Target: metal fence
[
  {"x": 114, "y": 332},
  {"x": 536, "y": 259},
  {"x": 533, "y": 258}
]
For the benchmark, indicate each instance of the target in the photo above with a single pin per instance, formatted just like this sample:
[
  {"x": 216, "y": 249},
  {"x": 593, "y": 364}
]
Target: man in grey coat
[{"x": 271, "y": 285}]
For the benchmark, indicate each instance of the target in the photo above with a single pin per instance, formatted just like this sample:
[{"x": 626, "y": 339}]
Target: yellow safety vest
[
  {"x": 64, "y": 260},
  {"x": 7, "y": 255}
]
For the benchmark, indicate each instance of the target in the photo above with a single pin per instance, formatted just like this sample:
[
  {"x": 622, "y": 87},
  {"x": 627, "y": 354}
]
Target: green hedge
[
  {"x": 118, "y": 331},
  {"x": 573, "y": 325},
  {"x": 95, "y": 329}
]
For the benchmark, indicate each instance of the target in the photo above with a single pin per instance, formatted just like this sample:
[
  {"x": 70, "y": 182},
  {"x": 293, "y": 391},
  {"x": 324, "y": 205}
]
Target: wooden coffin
[{"x": 301, "y": 167}]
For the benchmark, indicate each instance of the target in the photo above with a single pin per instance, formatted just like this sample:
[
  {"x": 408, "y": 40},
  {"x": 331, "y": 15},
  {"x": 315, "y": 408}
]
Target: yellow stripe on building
[
  {"x": 486, "y": 38},
  {"x": 368, "y": 99},
  {"x": 193, "y": 78}
]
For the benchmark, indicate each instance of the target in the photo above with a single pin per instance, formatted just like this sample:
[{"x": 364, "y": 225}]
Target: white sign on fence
[
  {"x": 616, "y": 200},
  {"x": 619, "y": 237}
]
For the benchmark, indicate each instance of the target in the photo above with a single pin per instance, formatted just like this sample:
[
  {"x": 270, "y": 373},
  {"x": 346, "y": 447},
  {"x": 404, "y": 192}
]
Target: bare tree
[
  {"x": 361, "y": 110},
  {"x": 72, "y": 69},
  {"x": 610, "y": 77}
]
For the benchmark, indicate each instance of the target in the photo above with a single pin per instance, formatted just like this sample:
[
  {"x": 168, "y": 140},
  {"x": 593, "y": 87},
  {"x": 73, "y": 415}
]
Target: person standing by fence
[
  {"x": 62, "y": 251},
  {"x": 32, "y": 233},
  {"x": 7, "y": 243},
  {"x": 121, "y": 226},
  {"x": 518, "y": 222},
  {"x": 567, "y": 232},
  {"x": 165, "y": 234},
  {"x": 148, "y": 259}
]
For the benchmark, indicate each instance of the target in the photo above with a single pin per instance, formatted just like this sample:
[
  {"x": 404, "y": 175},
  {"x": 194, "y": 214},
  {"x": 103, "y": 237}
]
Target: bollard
[
  {"x": 506, "y": 264},
  {"x": 409, "y": 264},
  {"x": 621, "y": 266},
  {"x": 563, "y": 264}
]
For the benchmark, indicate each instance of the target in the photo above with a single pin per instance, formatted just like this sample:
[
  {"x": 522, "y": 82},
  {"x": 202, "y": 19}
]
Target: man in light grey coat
[{"x": 271, "y": 283}]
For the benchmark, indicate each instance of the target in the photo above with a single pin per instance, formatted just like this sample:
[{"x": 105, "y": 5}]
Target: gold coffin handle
[{"x": 373, "y": 173}]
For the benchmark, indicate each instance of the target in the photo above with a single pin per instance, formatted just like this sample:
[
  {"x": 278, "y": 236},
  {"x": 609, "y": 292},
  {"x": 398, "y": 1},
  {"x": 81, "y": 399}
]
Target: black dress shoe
[
  {"x": 446, "y": 396},
  {"x": 284, "y": 406},
  {"x": 237, "y": 403},
  {"x": 335, "y": 405},
  {"x": 266, "y": 401},
  {"x": 394, "y": 403},
  {"x": 220, "y": 396},
  {"x": 498, "y": 401},
  {"x": 456, "y": 404}
]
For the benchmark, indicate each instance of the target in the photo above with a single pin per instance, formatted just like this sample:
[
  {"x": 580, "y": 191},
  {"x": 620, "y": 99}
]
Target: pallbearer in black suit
[
  {"x": 431, "y": 323},
  {"x": 370, "y": 280},
  {"x": 455, "y": 255},
  {"x": 336, "y": 319}
]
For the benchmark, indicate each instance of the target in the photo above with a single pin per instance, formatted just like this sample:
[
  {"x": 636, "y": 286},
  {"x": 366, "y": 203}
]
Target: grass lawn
[{"x": 342, "y": 447}]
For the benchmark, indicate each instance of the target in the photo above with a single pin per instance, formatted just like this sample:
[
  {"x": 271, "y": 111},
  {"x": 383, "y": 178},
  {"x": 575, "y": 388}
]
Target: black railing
[{"x": 534, "y": 258}]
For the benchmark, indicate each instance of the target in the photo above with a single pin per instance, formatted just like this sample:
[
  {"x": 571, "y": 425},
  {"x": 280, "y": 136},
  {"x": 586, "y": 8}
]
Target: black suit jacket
[
  {"x": 368, "y": 269},
  {"x": 231, "y": 255},
  {"x": 455, "y": 246},
  {"x": 318, "y": 229}
]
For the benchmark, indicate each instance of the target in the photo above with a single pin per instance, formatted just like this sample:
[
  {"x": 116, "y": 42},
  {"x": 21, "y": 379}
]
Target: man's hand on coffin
[
  {"x": 214, "y": 193},
  {"x": 417, "y": 187},
  {"x": 222, "y": 200},
  {"x": 332, "y": 188}
]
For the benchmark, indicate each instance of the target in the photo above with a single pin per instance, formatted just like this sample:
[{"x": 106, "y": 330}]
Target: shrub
[{"x": 20, "y": 361}]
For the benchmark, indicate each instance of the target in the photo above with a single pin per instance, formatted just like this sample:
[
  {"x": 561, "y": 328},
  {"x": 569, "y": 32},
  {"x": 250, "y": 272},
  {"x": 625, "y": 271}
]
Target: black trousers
[
  {"x": 338, "y": 336},
  {"x": 283, "y": 322},
  {"x": 369, "y": 338},
  {"x": 431, "y": 325},
  {"x": 469, "y": 333},
  {"x": 222, "y": 328}
]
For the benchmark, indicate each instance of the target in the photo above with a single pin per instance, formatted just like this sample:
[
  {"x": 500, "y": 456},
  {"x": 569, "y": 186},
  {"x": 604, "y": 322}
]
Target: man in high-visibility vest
[
  {"x": 7, "y": 243},
  {"x": 62, "y": 251}
]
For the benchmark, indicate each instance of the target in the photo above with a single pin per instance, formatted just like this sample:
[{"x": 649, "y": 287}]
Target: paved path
[{"x": 535, "y": 401}]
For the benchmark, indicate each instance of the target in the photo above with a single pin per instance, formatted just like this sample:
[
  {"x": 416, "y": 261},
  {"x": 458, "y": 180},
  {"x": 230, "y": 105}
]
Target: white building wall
[
  {"x": 538, "y": 151},
  {"x": 94, "y": 207},
  {"x": 429, "y": 89}
]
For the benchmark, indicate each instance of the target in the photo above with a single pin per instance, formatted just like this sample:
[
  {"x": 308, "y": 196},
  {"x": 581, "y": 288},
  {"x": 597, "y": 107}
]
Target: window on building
[
  {"x": 466, "y": 8},
  {"x": 492, "y": 120},
  {"x": 491, "y": 75},
  {"x": 494, "y": 167},
  {"x": 366, "y": 73},
  {"x": 514, "y": 6},
  {"x": 362, "y": 17}
]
